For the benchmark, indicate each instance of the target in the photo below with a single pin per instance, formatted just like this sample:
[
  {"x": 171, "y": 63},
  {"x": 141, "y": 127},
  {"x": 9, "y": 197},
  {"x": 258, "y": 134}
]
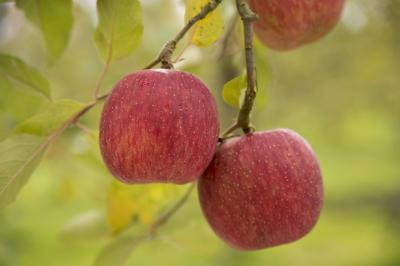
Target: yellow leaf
[
  {"x": 208, "y": 30},
  {"x": 141, "y": 203},
  {"x": 157, "y": 192},
  {"x": 121, "y": 209},
  {"x": 233, "y": 91}
]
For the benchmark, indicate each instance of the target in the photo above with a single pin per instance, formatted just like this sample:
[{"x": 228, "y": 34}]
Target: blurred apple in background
[{"x": 287, "y": 24}]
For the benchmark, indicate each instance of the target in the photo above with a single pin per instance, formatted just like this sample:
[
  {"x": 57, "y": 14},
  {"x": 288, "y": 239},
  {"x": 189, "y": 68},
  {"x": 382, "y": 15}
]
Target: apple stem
[
  {"x": 243, "y": 121},
  {"x": 164, "y": 57}
]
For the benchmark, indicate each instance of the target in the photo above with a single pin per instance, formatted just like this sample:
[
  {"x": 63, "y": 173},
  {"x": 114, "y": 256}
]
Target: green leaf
[
  {"x": 120, "y": 28},
  {"x": 19, "y": 157},
  {"x": 15, "y": 68},
  {"x": 18, "y": 104},
  {"x": 208, "y": 30},
  {"x": 51, "y": 118},
  {"x": 54, "y": 19},
  {"x": 21, "y": 153},
  {"x": 234, "y": 89},
  {"x": 86, "y": 226}
]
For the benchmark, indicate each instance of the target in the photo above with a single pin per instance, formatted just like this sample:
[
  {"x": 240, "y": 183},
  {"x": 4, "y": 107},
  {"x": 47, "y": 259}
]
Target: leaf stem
[{"x": 103, "y": 73}]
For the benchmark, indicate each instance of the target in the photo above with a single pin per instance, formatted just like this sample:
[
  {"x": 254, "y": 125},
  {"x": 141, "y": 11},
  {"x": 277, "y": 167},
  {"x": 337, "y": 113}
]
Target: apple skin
[
  {"x": 286, "y": 24},
  {"x": 159, "y": 126},
  {"x": 262, "y": 190}
]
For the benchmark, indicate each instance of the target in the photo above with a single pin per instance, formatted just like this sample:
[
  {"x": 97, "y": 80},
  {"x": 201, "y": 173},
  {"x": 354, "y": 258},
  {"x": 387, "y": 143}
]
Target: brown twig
[
  {"x": 103, "y": 97},
  {"x": 243, "y": 121},
  {"x": 230, "y": 130},
  {"x": 164, "y": 56}
]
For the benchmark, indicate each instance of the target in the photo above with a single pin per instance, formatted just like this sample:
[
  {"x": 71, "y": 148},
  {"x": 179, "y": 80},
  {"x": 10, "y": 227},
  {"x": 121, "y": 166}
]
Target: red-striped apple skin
[
  {"x": 262, "y": 190},
  {"x": 287, "y": 24},
  {"x": 159, "y": 126}
]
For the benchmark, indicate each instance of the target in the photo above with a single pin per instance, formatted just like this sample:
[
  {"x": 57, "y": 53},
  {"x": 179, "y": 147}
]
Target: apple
[
  {"x": 287, "y": 24},
  {"x": 262, "y": 189},
  {"x": 159, "y": 126}
]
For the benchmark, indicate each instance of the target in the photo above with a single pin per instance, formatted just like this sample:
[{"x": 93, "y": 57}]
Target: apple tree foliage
[{"x": 118, "y": 33}]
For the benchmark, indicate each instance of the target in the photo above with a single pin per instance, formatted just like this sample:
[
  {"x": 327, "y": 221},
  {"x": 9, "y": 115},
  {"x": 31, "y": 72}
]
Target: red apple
[
  {"x": 159, "y": 126},
  {"x": 262, "y": 189},
  {"x": 287, "y": 24}
]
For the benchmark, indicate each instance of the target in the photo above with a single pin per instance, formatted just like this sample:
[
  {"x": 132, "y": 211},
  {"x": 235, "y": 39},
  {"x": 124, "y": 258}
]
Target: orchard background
[{"x": 341, "y": 93}]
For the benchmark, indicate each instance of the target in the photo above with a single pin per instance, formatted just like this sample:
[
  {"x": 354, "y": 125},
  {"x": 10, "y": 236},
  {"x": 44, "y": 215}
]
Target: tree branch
[
  {"x": 164, "y": 56},
  {"x": 243, "y": 121}
]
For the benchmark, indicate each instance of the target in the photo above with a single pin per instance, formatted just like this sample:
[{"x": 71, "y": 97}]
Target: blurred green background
[{"x": 342, "y": 94}]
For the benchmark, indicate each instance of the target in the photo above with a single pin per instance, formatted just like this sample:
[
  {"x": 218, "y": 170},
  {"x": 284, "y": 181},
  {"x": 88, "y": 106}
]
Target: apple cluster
[{"x": 258, "y": 190}]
